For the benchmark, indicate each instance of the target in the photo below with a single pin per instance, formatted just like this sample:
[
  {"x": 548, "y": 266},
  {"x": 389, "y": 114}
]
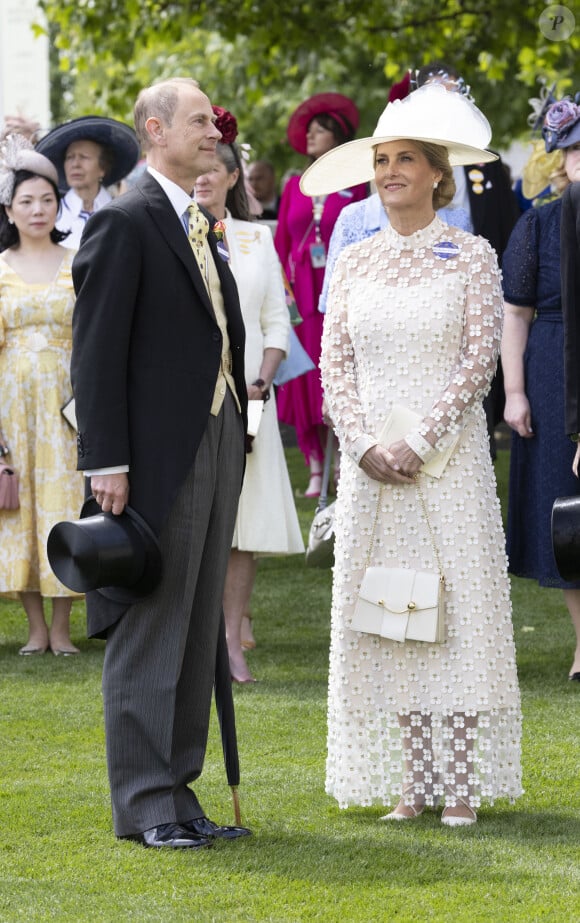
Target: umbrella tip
[{"x": 236, "y": 801}]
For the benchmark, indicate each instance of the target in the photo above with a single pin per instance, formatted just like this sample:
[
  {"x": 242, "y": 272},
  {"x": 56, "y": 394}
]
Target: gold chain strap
[
  {"x": 429, "y": 526},
  {"x": 427, "y": 520},
  {"x": 372, "y": 539}
]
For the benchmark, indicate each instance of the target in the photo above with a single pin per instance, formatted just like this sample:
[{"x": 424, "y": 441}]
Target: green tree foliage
[{"x": 260, "y": 58}]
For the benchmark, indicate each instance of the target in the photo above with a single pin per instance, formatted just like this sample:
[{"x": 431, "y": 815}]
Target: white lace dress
[{"x": 419, "y": 324}]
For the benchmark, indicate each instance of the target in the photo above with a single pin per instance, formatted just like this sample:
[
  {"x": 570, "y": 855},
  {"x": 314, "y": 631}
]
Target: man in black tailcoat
[{"x": 158, "y": 379}]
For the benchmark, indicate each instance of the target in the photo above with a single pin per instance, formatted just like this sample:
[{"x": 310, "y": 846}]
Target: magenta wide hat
[
  {"x": 341, "y": 108},
  {"x": 431, "y": 114}
]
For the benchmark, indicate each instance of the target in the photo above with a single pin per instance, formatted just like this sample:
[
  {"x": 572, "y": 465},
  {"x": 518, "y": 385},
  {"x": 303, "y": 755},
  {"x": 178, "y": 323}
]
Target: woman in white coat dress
[{"x": 267, "y": 522}]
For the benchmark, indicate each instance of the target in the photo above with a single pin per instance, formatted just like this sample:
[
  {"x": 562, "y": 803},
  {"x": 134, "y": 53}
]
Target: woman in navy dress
[{"x": 533, "y": 363}]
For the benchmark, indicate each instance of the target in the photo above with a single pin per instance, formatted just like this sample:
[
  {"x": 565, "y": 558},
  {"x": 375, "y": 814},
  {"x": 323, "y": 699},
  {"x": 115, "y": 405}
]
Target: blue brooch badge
[{"x": 446, "y": 249}]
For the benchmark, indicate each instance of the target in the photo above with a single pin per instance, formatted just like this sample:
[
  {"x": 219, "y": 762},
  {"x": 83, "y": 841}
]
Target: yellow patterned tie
[{"x": 198, "y": 228}]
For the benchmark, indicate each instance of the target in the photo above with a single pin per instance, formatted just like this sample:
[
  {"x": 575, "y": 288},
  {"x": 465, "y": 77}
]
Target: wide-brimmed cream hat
[{"x": 431, "y": 113}]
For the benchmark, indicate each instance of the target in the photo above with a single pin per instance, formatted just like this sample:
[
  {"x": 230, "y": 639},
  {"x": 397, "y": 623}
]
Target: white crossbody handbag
[{"x": 400, "y": 603}]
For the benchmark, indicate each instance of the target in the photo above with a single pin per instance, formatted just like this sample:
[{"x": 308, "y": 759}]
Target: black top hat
[
  {"x": 117, "y": 555},
  {"x": 118, "y": 137},
  {"x": 566, "y": 537}
]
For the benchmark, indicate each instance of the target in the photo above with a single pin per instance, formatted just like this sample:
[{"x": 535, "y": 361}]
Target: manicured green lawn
[{"x": 308, "y": 861}]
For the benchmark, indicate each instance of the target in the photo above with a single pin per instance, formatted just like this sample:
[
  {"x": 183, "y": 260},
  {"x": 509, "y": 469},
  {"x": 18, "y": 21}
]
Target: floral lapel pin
[{"x": 219, "y": 230}]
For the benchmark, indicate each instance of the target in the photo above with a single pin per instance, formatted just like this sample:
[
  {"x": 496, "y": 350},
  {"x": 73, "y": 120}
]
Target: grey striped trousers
[{"x": 160, "y": 657}]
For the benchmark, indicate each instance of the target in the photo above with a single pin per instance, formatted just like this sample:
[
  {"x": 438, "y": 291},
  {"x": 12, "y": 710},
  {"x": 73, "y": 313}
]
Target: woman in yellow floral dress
[{"x": 36, "y": 302}]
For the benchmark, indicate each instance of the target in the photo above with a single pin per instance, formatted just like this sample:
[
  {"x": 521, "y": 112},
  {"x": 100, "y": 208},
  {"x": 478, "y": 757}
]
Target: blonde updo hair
[{"x": 438, "y": 158}]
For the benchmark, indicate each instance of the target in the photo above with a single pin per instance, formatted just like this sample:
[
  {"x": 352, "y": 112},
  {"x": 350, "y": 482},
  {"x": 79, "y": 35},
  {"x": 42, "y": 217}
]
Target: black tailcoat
[{"x": 146, "y": 353}]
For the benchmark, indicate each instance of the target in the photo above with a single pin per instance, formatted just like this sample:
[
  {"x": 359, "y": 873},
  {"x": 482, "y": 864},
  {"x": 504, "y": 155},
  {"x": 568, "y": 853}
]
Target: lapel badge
[{"x": 446, "y": 250}]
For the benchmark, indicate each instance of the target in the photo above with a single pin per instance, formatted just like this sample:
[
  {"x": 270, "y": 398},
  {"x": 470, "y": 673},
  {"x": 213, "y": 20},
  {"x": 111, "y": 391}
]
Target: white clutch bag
[
  {"x": 68, "y": 411},
  {"x": 399, "y": 423},
  {"x": 255, "y": 410},
  {"x": 401, "y": 604}
]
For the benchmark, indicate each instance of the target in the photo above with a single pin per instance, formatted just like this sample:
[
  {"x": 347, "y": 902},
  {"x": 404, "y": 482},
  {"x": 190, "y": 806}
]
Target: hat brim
[
  {"x": 317, "y": 105},
  {"x": 153, "y": 559},
  {"x": 117, "y": 136},
  {"x": 352, "y": 163},
  {"x": 554, "y": 142}
]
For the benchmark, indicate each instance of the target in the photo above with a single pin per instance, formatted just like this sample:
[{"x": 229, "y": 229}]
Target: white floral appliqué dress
[{"x": 415, "y": 323}]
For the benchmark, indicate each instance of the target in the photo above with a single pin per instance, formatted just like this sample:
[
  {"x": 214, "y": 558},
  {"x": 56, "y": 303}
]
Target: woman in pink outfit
[{"x": 304, "y": 228}]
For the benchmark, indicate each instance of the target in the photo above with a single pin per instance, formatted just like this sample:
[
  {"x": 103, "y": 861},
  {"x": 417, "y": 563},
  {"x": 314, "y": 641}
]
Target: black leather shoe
[
  {"x": 172, "y": 836},
  {"x": 575, "y": 677},
  {"x": 204, "y": 827}
]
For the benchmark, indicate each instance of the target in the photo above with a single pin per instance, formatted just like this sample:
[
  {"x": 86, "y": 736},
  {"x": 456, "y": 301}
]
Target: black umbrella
[{"x": 224, "y": 701}]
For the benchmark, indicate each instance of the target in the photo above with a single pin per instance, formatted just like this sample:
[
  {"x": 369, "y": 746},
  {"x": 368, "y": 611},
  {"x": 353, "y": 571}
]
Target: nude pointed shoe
[
  {"x": 458, "y": 820},
  {"x": 398, "y": 812},
  {"x": 397, "y": 815}
]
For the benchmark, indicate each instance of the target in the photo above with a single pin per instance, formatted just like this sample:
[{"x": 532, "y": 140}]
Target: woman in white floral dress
[
  {"x": 36, "y": 302},
  {"x": 414, "y": 318}
]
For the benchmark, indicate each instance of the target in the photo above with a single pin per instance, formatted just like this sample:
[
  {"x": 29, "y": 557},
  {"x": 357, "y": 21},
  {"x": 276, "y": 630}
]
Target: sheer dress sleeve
[{"x": 471, "y": 378}]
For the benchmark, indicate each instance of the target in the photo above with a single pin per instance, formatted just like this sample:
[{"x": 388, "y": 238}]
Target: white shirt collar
[
  {"x": 74, "y": 203},
  {"x": 179, "y": 199}
]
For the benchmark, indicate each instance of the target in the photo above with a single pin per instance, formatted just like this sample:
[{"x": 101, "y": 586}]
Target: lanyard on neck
[
  {"x": 317, "y": 249},
  {"x": 317, "y": 209}
]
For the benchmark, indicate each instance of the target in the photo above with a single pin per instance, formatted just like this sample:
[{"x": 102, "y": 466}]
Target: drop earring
[{"x": 435, "y": 184}]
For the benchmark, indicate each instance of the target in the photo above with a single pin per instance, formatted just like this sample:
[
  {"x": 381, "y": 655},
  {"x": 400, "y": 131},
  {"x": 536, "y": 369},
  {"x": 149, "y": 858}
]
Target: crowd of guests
[{"x": 390, "y": 247}]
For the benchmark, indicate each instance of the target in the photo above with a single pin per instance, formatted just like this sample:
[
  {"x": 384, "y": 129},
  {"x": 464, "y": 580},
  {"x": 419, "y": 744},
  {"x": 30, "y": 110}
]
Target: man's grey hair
[{"x": 159, "y": 101}]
